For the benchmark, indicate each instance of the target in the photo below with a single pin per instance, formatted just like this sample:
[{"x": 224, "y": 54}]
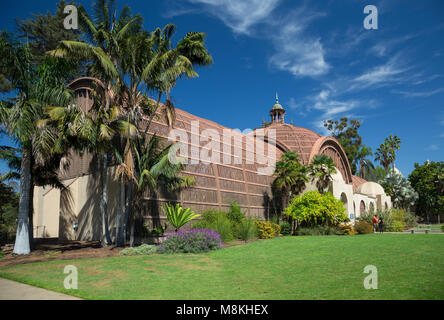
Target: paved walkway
[{"x": 12, "y": 290}]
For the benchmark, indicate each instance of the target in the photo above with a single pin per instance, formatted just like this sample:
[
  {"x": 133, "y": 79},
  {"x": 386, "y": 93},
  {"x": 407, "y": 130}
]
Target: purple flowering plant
[{"x": 190, "y": 241}]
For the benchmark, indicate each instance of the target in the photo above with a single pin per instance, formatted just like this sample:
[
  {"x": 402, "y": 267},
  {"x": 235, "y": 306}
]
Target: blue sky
[{"x": 318, "y": 56}]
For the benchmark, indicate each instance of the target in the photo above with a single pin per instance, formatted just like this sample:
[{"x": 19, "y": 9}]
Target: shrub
[
  {"x": 313, "y": 208},
  {"x": 317, "y": 231},
  {"x": 191, "y": 241},
  {"x": 247, "y": 229},
  {"x": 235, "y": 214},
  {"x": 398, "y": 226},
  {"x": 143, "y": 249},
  {"x": 267, "y": 229},
  {"x": 178, "y": 216},
  {"x": 285, "y": 228},
  {"x": 442, "y": 228},
  {"x": 346, "y": 229},
  {"x": 218, "y": 221},
  {"x": 393, "y": 219},
  {"x": 363, "y": 227}
]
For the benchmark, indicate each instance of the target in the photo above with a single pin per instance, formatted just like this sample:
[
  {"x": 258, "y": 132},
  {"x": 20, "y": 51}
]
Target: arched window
[
  {"x": 386, "y": 206},
  {"x": 362, "y": 207},
  {"x": 372, "y": 207}
]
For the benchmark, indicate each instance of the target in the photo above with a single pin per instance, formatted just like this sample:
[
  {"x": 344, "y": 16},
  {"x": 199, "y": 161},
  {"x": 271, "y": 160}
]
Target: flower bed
[{"x": 190, "y": 241}]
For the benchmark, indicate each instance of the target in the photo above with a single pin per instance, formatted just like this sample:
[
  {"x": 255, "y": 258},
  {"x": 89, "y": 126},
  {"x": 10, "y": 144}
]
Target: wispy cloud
[
  {"x": 296, "y": 52},
  {"x": 432, "y": 147},
  {"x": 381, "y": 75},
  {"x": 240, "y": 16},
  {"x": 413, "y": 94}
]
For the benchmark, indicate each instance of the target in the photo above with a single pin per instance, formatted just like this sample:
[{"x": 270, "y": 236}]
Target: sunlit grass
[{"x": 325, "y": 267}]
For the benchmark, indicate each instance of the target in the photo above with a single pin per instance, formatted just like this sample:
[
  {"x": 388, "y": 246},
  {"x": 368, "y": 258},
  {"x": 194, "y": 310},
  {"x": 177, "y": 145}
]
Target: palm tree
[
  {"x": 291, "y": 176},
  {"x": 36, "y": 88},
  {"x": 152, "y": 169},
  {"x": 364, "y": 164},
  {"x": 106, "y": 33},
  {"x": 394, "y": 144},
  {"x": 386, "y": 153},
  {"x": 321, "y": 168}
]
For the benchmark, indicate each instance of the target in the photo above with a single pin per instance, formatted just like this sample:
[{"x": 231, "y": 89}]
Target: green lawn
[{"x": 326, "y": 267}]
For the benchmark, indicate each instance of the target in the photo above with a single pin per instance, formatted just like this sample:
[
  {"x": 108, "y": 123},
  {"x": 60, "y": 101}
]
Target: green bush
[
  {"x": 363, "y": 227},
  {"x": 393, "y": 219},
  {"x": 143, "y": 249},
  {"x": 442, "y": 228},
  {"x": 235, "y": 214},
  {"x": 247, "y": 229},
  {"x": 216, "y": 220},
  {"x": 313, "y": 208},
  {"x": 317, "y": 231},
  {"x": 398, "y": 226},
  {"x": 285, "y": 228}
]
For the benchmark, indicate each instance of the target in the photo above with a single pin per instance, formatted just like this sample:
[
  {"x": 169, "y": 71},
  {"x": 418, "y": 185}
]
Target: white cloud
[
  {"x": 240, "y": 16},
  {"x": 380, "y": 75},
  {"x": 412, "y": 94},
  {"x": 297, "y": 53},
  {"x": 432, "y": 147}
]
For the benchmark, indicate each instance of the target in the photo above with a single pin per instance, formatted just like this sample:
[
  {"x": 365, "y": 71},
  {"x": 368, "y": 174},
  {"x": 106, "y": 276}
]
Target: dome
[
  {"x": 277, "y": 106},
  {"x": 371, "y": 189}
]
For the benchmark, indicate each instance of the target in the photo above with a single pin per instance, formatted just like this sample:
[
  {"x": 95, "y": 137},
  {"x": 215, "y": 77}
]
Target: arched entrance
[
  {"x": 372, "y": 207},
  {"x": 362, "y": 207}
]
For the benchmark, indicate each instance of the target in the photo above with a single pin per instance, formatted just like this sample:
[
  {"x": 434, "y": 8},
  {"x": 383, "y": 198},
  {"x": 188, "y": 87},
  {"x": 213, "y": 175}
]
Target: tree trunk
[
  {"x": 132, "y": 232},
  {"x": 21, "y": 245},
  {"x": 120, "y": 214},
  {"x": 127, "y": 213},
  {"x": 105, "y": 201}
]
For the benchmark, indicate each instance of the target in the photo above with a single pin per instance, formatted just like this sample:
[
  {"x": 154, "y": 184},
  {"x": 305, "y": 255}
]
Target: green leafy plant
[
  {"x": 313, "y": 208},
  {"x": 143, "y": 249},
  {"x": 218, "y": 221},
  {"x": 247, "y": 229},
  {"x": 179, "y": 216},
  {"x": 363, "y": 227},
  {"x": 285, "y": 228},
  {"x": 318, "y": 231}
]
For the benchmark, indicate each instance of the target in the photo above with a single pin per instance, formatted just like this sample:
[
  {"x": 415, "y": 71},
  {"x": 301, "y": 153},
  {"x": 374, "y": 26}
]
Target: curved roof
[
  {"x": 371, "y": 189},
  {"x": 298, "y": 139},
  {"x": 357, "y": 181}
]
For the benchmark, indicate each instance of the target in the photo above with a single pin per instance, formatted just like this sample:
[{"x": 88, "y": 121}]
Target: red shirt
[{"x": 375, "y": 220}]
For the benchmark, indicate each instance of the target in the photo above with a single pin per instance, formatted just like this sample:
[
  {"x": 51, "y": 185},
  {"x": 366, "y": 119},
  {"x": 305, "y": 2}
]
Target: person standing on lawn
[
  {"x": 375, "y": 223},
  {"x": 381, "y": 225}
]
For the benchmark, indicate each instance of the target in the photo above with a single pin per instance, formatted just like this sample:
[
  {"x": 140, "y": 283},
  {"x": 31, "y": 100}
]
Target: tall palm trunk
[
  {"x": 127, "y": 213},
  {"x": 21, "y": 245},
  {"x": 120, "y": 214},
  {"x": 104, "y": 207}
]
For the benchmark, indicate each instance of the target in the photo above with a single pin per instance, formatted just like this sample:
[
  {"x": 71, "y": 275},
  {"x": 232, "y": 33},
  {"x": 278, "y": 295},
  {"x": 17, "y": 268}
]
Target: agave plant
[{"x": 179, "y": 216}]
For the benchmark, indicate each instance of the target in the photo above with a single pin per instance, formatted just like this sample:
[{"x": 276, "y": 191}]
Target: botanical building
[{"x": 237, "y": 168}]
